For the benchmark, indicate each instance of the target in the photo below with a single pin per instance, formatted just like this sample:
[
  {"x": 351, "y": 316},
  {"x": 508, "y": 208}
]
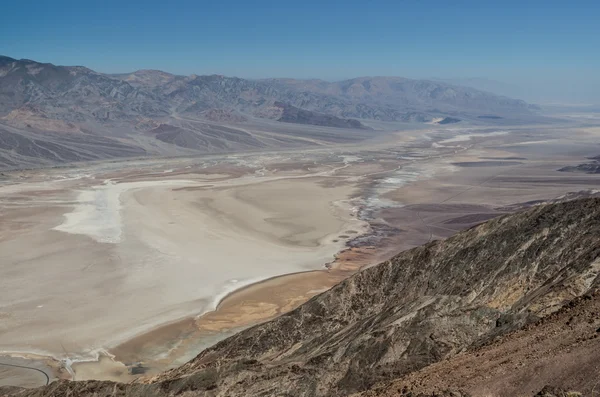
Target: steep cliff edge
[{"x": 423, "y": 306}]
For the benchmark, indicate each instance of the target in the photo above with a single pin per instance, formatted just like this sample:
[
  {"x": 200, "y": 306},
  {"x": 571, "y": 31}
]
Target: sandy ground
[
  {"x": 129, "y": 256},
  {"x": 128, "y": 265}
]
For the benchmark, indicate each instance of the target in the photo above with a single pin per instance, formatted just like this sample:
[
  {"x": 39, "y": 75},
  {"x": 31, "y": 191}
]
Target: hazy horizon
[{"x": 544, "y": 50}]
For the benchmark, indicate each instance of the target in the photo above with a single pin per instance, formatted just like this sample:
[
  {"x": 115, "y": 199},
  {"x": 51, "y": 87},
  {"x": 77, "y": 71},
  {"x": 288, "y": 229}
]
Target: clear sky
[{"x": 541, "y": 45}]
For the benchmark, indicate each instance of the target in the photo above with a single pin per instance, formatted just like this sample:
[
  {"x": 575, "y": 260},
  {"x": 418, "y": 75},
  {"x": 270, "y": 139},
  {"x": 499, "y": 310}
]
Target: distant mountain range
[
  {"x": 489, "y": 85},
  {"x": 43, "y": 105}
]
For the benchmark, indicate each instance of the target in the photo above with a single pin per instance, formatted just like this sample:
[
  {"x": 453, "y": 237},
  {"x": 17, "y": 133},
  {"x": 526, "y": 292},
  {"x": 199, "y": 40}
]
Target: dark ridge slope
[{"x": 292, "y": 114}]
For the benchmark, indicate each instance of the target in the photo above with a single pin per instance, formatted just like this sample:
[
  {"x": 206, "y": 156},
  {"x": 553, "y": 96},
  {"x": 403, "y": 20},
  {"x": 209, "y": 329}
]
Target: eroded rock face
[
  {"x": 424, "y": 305},
  {"x": 550, "y": 391}
]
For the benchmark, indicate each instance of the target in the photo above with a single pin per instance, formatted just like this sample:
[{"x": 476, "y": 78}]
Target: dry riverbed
[{"x": 114, "y": 271}]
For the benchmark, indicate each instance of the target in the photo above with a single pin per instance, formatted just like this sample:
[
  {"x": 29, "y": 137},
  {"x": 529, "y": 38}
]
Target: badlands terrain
[{"x": 116, "y": 270}]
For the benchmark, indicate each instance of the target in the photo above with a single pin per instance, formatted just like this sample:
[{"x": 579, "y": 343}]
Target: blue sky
[{"x": 525, "y": 43}]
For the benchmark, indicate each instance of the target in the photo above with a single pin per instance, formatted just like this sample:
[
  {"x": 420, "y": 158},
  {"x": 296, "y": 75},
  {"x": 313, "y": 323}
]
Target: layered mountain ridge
[
  {"x": 39, "y": 101},
  {"x": 156, "y": 93},
  {"x": 523, "y": 277}
]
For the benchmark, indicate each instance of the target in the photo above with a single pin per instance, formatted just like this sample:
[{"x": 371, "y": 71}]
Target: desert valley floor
[{"x": 113, "y": 270}]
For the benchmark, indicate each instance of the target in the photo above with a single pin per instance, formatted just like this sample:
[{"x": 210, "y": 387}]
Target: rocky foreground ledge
[{"x": 510, "y": 307}]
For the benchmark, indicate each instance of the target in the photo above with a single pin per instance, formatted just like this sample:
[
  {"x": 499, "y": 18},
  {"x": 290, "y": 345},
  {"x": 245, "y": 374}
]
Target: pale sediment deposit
[
  {"x": 107, "y": 268},
  {"x": 116, "y": 259}
]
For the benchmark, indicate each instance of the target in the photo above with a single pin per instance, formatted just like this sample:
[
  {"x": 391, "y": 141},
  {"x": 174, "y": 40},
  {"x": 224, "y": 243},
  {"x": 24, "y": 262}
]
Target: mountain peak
[{"x": 4, "y": 58}]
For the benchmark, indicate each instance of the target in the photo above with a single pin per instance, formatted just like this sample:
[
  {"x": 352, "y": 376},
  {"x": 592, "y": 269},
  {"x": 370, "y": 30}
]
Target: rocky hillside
[
  {"x": 422, "y": 307},
  {"x": 563, "y": 348}
]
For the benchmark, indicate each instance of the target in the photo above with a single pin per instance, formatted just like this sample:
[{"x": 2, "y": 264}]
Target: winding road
[{"x": 30, "y": 368}]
